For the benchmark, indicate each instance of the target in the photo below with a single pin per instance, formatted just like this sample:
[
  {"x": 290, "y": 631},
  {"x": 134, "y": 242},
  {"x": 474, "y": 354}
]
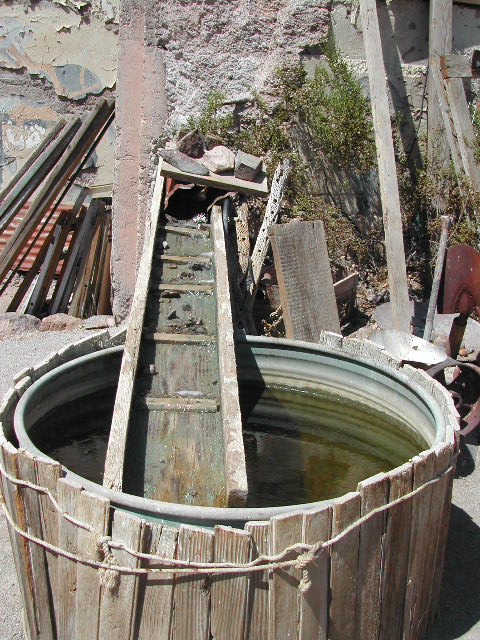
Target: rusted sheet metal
[
  {"x": 9, "y": 231},
  {"x": 461, "y": 290}
]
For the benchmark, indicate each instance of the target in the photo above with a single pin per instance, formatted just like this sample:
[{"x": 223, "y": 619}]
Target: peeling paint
[{"x": 77, "y": 57}]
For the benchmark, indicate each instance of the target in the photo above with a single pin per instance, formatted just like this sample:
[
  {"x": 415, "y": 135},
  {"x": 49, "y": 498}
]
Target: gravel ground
[{"x": 460, "y": 598}]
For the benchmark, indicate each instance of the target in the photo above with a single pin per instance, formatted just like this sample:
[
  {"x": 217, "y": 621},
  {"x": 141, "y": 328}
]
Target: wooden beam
[
  {"x": 387, "y": 173},
  {"x": 113, "y": 476},
  {"x": 225, "y": 182},
  {"x": 455, "y": 66}
]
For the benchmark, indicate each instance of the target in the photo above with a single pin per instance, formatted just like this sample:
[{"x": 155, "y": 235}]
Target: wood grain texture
[
  {"x": 317, "y": 527},
  {"x": 285, "y": 531},
  {"x": 374, "y": 494},
  {"x": 387, "y": 172},
  {"x": 20, "y": 546},
  {"x": 68, "y": 492},
  {"x": 257, "y": 615},
  {"x": 113, "y": 475},
  {"x": 156, "y": 591},
  {"x": 191, "y": 618},
  {"x": 235, "y": 466},
  {"x": 455, "y": 66},
  {"x": 229, "y": 593},
  {"x": 94, "y": 510},
  {"x": 43, "y": 611},
  {"x": 344, "y": 568},
  {"x": 395, "y": 563},
  {"x": 423, "y": 471},
  {"x": 118, "y": 606},
  {"x": 47, "y": 474},
  {"x": 304, "y": 280}
]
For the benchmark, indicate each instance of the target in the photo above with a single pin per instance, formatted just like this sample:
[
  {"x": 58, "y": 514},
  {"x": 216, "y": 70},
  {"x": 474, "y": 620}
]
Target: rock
[
  {"x": 61, "y": 322},
  {"x": 191, "y": 144},
  {"x": 180, "y": 161},
  {"x": 99, "y": 322},
  {"x": 219, "y": 159},
  {"x": 212, "y": 140},
  {"x": 13, "y": 323},
  {"x": 247, "y": 167}
]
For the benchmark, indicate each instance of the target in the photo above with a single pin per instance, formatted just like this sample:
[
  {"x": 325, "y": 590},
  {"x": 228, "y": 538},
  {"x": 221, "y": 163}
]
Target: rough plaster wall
[
  {"x": 231, "y": 45},
  {"x": 54, "y": 58}
]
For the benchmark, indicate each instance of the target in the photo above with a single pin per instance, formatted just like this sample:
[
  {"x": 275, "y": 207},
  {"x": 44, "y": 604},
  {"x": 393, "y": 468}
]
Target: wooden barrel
[{"x": 367, "y": 564}]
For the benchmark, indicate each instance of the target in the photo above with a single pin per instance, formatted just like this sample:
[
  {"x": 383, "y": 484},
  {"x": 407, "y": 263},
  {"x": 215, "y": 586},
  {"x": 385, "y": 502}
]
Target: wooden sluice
[{"x": 176, "y": 431}]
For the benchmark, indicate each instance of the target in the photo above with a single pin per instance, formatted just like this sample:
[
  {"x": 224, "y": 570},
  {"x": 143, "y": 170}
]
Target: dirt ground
[{"x": 460, "y": 598}]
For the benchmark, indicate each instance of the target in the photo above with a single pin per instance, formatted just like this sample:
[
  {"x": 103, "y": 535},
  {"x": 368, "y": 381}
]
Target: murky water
[{"x": 300, "y": 447}]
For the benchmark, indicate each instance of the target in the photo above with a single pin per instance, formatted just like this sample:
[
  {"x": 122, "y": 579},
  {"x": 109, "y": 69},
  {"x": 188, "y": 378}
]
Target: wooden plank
[
  {"x": 228, "y": 593},
  {"x": 104, "y": 306},
  {"x": 395, "y": 564},
  {"x": 103, "y": 264},
  {"x": 55, "y": 183},
  {"x": 182, "y": 288},
  {"x": 191, "y": 617},
  {"x": 257, "y": 616},
  {"x": 304, "y": 280},
  {"x": 118, "y": 605},
  {"x": 170, "y": 403},
  {"x": 440, "y": 490},
  {"x": 387, "y": 173},
  {"x": 465, "y": 135},
  {"x": 186, "y": 231},
  {"x": 423, "y": 471},
  {"x": 447, "y": 485},
  {"x": 235, "y": 465},
  {"x": 121, "y": 413},
  {"x": 156, "y": 591},
  {"x": 26, "y": 186},
  {"x": 48, "y": 473},
  {"x": 374, "y": 494},
  {"x": 344, "y": 568},
  {"x": 285, "y": 531},
  {"x": 225, "y": 182},
  {"x": 93, "y": 510},
  {"x": 317, "y": 527},
  {"x": 185, "y": 259},
  {"x": 345, "y": 286},
  {"x": 20, "y": 546},
  {"x": 180, "y": 338},
  {"x": 68, "y": 493},
  {"x": 455, "y": 66},
  {"x": 44, "y": 614}
]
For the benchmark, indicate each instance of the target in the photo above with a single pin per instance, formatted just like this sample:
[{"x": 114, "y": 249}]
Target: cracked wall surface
[{"x": 55, "y": 57}]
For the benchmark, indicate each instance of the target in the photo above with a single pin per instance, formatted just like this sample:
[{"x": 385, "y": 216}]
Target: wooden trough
[{"x": 367, "y": 564}]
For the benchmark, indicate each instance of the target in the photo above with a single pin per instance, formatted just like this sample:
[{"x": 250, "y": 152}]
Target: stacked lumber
[{"x": 71, "y": 244}]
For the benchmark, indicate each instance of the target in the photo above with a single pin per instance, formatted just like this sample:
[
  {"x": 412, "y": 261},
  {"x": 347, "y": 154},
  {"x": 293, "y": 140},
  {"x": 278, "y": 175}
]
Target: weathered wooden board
[
  {"x": 455, "y": 66},
  {"x": 225, "y": 182},
  {"x": 304, "y": 279},
  {"x": 317, "y": 527},
  {"x": 387, "y": 173},
  {"x": 344, "y": 568},
  {"x": 68, "y": 492},
  {"x": 285, "y": 531},
  {"x": 228, "y": 593},
  {"x": 113, "y": 475},
  {"x": 374, "y": 493},
  {"x": 191, "y": 617},
  {"x": 423, "y": 471},
  {"x": 397, "y": 542},
  {"x": 43, "y": 611},
  {"x": 155, "y": 602},
  {"x": 93, "y": 510},
  {"x": 119, "y": 605},
  {"x": 257, "y": 615},
  {"x": 20, "y": 546}
]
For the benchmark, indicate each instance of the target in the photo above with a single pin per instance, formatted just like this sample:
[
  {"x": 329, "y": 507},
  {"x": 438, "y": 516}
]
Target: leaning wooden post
[{"x": 387, "y": 173}]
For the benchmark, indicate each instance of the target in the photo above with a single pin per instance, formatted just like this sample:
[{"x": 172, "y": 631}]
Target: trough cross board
[{"x": 176, "y": 431}]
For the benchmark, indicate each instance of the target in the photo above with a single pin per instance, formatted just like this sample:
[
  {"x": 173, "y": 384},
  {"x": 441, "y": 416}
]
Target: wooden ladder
[{"x": 176, "y": 431}]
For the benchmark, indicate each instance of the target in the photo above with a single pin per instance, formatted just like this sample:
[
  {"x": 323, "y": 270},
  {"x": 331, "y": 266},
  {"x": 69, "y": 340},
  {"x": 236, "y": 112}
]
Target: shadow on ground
[{"x": 459, "y": 609}]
